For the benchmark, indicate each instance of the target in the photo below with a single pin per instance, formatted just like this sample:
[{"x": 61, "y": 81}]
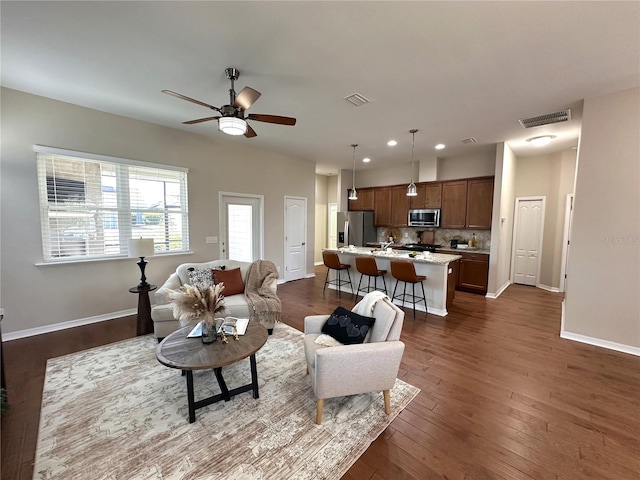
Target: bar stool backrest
[
  {"x": 367, "y": 265},
  {"x": 404, "y": 270},
  {"x": 331, "y": 260}
]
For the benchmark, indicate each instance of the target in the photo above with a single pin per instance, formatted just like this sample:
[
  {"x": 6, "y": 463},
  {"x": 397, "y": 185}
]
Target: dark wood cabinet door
[
  {"x": 479, "y": 203},
  {"x": 454, "y": 204},
  {"x": 429, "y": 195},
  {"x": 473, "y": 273},
  {"x": 399, "y": 207},
  {"x": 364, "y": 202},
  {"x": 382, "y": 207}
]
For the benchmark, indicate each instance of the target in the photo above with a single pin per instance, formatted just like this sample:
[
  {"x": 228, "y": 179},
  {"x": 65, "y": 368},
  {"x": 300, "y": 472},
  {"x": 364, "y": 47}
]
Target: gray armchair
[{"x": 354, "y": 369}]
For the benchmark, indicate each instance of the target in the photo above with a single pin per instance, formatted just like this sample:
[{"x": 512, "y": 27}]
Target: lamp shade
[
  {"x": 232, "y": 125},
  {"x": 141, "y": 247}
]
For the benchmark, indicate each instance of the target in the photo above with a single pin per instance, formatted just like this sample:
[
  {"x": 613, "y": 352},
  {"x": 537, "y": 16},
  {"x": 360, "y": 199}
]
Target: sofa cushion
[
  {"x": 347, "y": 327},
  {"x": 232, "y": 279}
]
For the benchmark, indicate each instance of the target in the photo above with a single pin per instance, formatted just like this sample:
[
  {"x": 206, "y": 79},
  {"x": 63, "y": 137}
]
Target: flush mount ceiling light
[
  {"x": 411, "y": 189},
  {"x": 353, "y": 194},
  {"x": 541, "y": 141},
  {"x": 440, "y": 146},
  {"x": 392, "y": 143},
  {"x": 232, "y": 125}
]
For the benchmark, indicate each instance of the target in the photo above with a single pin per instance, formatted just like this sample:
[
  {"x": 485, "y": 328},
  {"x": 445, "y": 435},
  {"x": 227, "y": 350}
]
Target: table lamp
[{"x": 141, "y": 247}]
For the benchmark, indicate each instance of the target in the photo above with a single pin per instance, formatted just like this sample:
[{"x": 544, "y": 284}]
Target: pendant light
[
  {"x": 353, "y": 194},
  {"x": 411, "y": 189}
]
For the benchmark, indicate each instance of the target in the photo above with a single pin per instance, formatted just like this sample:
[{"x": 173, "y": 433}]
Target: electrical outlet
[
  {"x": 406, "y": 234},
  {"x": 278, "y": 269}
]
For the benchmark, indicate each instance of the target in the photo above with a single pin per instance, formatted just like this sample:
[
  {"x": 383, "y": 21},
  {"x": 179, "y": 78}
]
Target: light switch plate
[{"x": 211, "y": 239}]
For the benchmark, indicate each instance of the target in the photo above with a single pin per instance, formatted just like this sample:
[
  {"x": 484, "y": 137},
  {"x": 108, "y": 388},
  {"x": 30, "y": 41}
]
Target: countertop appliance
[
  {"x": 425, "y": 217},
  {"x": 356, "y": 228},
  {"x": 421, "y": 247}
]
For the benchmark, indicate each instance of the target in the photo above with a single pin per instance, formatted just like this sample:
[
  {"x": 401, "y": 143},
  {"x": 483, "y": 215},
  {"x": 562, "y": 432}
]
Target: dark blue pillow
[{"x": 347, "y": 327}]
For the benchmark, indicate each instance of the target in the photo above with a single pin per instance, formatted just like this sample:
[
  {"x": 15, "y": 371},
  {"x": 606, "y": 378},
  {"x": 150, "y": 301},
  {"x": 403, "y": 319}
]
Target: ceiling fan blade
[
  {"x": 250, "y": 132},
  {"x": 200, "y": 120},
  {"x": 178, "y": 95},
  {"x": 272, "y": 119},
  {"x": 246, "y": 98}
]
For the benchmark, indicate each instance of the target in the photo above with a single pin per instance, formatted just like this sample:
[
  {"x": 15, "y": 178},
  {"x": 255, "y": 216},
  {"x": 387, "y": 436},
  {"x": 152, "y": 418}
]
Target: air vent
[
  {"x": 357, "y": 99},
  {"x": 548, "y": 119},
  {"x": 469, "y": 140}
]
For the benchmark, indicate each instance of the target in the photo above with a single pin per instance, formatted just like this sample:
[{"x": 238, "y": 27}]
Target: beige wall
[
  {"x": 35, "y": 296},
  {"x": 480, "y": 163},
  {"x": 550, "y": 176},
  {"x": 603, "y": 285},
  {"x": 322, "y": 199}
]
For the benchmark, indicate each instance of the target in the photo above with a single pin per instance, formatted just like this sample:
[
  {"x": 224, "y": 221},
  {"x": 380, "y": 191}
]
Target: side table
[{"x": 145, "y": 324}]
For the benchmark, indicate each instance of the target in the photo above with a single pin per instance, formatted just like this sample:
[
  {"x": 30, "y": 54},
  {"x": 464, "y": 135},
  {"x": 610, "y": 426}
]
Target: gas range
[{"x": 420, "y": 247}]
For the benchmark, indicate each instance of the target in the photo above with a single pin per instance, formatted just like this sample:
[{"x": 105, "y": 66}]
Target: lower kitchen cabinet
[{"x": 473, "y": 272}]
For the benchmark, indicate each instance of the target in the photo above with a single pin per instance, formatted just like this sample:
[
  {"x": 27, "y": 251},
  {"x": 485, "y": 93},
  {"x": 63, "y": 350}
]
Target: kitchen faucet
[{"x": 386, "y": 245}]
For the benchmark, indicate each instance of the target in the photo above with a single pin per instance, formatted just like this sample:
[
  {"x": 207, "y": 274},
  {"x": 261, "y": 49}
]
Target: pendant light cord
[{"x": 353, "y": 195}]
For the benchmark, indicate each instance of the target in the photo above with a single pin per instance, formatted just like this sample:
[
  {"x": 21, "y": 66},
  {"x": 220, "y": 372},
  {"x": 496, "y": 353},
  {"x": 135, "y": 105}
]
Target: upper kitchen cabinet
[
  {"x": 399, "y": 207},
  {"x": 429, "y": 195},
  {"x": 382, "y": 207},
  {"x": 365, "y": 200},
  {"x": 454, "y": 204},
  {"x": 479, "y": 203},
  {"x": 467, "y": 203}
]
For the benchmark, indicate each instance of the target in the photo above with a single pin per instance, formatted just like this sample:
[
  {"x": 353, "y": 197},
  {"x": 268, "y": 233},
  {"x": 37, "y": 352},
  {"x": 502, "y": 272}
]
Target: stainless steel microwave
[{"x": 427, "y": 217}]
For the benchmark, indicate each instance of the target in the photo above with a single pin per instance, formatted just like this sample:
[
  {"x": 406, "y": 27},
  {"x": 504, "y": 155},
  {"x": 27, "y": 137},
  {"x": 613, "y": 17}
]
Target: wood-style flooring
[{"x": 502, "y": 395}]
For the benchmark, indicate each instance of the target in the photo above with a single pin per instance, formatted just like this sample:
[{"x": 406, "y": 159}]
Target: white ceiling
[{"x": 453, "y": 70}]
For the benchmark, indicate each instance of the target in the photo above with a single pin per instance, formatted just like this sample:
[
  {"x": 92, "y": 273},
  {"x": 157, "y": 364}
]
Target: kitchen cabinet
[
  {"x": 365, "y": 200},
  {"x": 399, "y": 207},
  {"x": 467, "y": 203},
  {"x": 429, "y": 195},
  {"x": 473, "y": 272},
  {"x": 479, "y": 203},
  {"x": 382, "y": 207},
  {"x": 454, "y": 204}
]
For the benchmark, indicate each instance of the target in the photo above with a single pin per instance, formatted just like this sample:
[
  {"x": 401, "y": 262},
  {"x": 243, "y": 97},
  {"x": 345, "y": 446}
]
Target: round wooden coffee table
[{"x": 189, "y": 354}]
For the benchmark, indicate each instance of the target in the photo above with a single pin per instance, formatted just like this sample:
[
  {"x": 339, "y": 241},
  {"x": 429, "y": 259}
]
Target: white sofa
[{"x": 165, "y": 323}]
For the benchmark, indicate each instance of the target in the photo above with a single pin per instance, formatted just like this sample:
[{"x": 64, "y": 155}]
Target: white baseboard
[
  {"x": 598, "y": 342},
  {"x": 548, "y": 288},
  {"x": 499, "y": 292},
  {"x": 317, "y": 264},
  {"x": 29, "y": 332},
  {"x": 310, "y": 275}
]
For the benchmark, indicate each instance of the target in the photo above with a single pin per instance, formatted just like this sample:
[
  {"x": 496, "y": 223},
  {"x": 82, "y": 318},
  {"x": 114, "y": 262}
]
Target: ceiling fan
[{"x": 232, "y": 119}]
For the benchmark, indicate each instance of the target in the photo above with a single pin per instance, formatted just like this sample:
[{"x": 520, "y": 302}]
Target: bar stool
[
  {"x": 368, "y": 266},
  {"x": 332, "y": 262},
  {"x": 405, "y": 271}
]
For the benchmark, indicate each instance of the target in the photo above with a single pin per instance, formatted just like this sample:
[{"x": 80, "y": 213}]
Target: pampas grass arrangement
[{"x": 193, "y": 304}]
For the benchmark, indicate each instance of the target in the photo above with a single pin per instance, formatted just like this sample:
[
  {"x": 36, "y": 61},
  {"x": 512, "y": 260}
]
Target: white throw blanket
[{"x": 368, "y": 303}]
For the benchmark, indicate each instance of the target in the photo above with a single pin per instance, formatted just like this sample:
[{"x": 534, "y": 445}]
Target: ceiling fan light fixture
[{"x": 232, "y": 125}]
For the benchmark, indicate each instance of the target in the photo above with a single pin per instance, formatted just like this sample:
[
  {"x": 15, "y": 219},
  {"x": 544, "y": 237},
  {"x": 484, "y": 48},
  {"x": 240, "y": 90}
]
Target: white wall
[
  {"x": 480, "y": 163},
  {"x": 35, "y": 296},
  {"x": 322, "y": 199},
  {"x": 602, "y": 303},
  {"x": 502, "y": 220}
]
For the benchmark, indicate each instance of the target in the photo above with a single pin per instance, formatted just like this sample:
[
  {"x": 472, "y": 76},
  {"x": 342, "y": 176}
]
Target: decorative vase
[{"x": 208, "y": 331}]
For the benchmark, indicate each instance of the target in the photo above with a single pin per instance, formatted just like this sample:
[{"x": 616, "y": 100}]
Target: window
[{"x": 91, "y": 205}]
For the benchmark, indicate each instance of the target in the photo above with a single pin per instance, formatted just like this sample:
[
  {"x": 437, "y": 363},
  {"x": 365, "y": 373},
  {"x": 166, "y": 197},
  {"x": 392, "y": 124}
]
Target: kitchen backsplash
[{"x": 441, "y": 236}]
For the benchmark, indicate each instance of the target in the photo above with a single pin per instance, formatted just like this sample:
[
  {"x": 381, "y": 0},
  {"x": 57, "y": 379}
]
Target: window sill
[{"x": 109, "y": 259}]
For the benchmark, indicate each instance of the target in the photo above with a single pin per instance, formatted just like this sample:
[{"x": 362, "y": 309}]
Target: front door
[{"x": 241, "y": 226}]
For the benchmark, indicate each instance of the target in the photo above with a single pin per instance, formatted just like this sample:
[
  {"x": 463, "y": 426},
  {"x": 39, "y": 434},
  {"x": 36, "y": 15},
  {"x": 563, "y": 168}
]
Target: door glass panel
[{"x": 240, "y": 228}]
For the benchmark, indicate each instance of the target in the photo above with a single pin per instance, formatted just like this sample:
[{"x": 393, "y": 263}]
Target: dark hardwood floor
[{"x": 502, "y": 395}]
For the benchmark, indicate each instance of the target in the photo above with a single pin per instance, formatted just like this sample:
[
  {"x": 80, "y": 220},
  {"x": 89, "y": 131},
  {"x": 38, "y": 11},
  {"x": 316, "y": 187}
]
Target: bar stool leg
[
  {"x": 425, "y": 299},
  {"x": 326, "y": 280},
  {"x": 413, "y": 297}
]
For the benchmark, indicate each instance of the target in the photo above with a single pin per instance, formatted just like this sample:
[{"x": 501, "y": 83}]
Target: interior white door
[
  {"x": 528, "y": 240},
  {"x": 295, "y": 244},
  {"x": 241, "y": 227}
]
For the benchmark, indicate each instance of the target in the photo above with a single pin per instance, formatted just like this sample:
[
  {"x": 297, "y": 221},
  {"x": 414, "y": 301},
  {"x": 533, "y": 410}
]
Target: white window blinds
[{"x": 91, "y": 205}]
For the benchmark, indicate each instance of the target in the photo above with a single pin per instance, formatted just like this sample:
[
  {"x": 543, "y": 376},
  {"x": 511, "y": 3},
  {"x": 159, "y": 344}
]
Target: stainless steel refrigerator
[{"x": 356, "y": 228}]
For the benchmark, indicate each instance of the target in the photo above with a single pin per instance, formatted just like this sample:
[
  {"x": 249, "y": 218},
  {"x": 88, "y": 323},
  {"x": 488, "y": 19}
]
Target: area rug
[{"x": 114, "y": 412}]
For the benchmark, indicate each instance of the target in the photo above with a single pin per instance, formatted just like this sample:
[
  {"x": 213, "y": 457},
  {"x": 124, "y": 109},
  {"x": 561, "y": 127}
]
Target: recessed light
[
  {"x": 366, "y": 160},
  {"x": 440, "y": 146},
  {"x": 392, "y": 143},
  {"x": 540, "y": 141}
]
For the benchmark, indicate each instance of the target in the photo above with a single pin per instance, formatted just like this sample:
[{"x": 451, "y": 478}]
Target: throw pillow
[
  {"x": 347, "y": 327},
  {"x": 232, "y": 280},
  {"x": 200, "y": 278},
  {"x": 327, "y": 341}
]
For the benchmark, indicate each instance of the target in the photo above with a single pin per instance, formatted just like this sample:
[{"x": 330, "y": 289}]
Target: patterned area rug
[{"x": 115, "y": 413}]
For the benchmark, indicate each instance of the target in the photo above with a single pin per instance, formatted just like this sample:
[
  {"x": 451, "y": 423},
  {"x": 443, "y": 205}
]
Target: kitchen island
[{"x": 439, "y": 286}]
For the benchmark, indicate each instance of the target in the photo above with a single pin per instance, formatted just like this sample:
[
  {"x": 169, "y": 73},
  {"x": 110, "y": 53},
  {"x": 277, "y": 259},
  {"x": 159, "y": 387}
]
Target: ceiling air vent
[
  {"x": 469, "y": 140},
  {"x": 357, "y": 99},
  {"x": 548, "y": 119}
]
